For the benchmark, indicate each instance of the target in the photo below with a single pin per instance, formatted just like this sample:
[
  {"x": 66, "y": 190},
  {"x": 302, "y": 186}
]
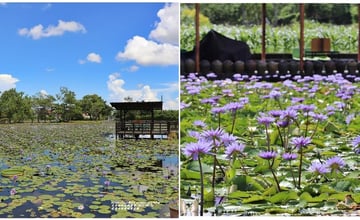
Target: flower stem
[
  {"x": 267, "y": 138},
  {"x": 275, "y": 178},
  {"x": 300, "y": 166},
  {"x": 233, "y": 122},
  {"x": 201, "y": 189}
]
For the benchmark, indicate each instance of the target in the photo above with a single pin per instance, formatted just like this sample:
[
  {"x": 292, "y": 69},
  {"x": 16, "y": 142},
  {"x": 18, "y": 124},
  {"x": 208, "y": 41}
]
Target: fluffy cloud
[
  {"x": 171, "y": 104},
  {"x": 167, "y": 30},
  {"x": 92, "y": 58},
  {"x": 162, "y": 48},
  {"x": 118, "y": 93},
  {"x": 148, "y": 53},
  {"x": 7, "y": 82},
  {"x": 143, "y": 93},
  {"x": 38, "y": 31}
]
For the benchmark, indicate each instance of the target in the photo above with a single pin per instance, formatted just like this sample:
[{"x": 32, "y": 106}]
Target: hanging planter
[
  {"x": 217, "y": 66},
  {"x": 294, "y": 67},
  {"x": 228, "y": 67},
  {"x": 283, "y": 67},
  {"x": 261, "y": 67},
  {"x": 308, "y": 68},
  {"x": 318, "y": 67},
  {"x": 250, "y": 66},
  {"x": 190, "y": 66},
  {"x": 352, "y": 67},
  {"x": 340, "y": 66},
  {"x": 239, "y": 67},
  {"x": 205, "y": 67},
  {"x": 273, "y": 67},
  {"x": 330, "y": 67}
]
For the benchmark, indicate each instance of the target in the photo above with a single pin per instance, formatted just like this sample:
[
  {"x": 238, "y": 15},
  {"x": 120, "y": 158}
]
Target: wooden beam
[
  {"x": 302, "y": 37},
  {"x": 263, "y": 36},
  {"x": 358, "y": 33},
  {"x": 197, "y": 38}
]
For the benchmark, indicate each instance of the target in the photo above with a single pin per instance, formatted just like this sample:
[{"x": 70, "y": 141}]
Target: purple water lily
[
  {"x": 289, "y": 156},
  {"x": 335, "y": 163},
  {"x": 233, "y": 148},
  {"x": 195, "y": 148},
  {"x": 318, "y": 168},
  {"x": 267, "y": 155},
  {"x": 300, "y": 142}
]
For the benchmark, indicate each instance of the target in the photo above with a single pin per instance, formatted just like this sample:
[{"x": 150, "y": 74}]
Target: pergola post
[
  {"x": 358, "y": 56},
  {"x": 263, "y": 36},
  {"x": 301, "y": 37},
  {"x": 197, "y": 38}
]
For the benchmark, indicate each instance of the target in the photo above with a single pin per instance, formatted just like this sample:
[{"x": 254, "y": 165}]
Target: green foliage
[
  {"x": 281, "y": 39},
  {"x": 283, "y": 197}
]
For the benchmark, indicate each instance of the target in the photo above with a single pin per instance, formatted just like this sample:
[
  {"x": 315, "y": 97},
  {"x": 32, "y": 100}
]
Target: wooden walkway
[{"x": 137, "y": 128}]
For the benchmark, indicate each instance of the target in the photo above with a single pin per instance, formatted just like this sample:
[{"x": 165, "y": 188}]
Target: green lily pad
[{"x": 14, "y": 171}]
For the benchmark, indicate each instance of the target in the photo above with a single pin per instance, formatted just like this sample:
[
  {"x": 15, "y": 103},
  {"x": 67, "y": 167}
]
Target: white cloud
[
  {"x": 43, "y": 93},
  {"x": 94, "y": 58},
  {"x": 7, "y": 82},
  {"x": 167, "y": 30},
  {"x": 133, "y": 68},
  {"x": 162, "y": 48},
  {"x": 49, "y": 69},
  {"x": 171, "y": 104},
  {"x": 46, "y": 7},
  {"x": 142, "y": 93},
  {"x": 148, "y": 53},
  {"x": 118, "y": 93},
  {"x": 38, "y": 31}
]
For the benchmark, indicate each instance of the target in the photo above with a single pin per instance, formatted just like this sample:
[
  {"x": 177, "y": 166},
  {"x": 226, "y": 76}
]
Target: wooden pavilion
[{"x": 139, "y": 128}]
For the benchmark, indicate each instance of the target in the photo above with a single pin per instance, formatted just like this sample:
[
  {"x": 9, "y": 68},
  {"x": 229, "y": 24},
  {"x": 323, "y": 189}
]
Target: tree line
[
  {"x": 276, "y": 14},
  {"x": 17, "y": 107}
]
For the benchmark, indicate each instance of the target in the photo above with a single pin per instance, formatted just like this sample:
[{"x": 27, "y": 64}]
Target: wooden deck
[{"x": 137, "y": 128}]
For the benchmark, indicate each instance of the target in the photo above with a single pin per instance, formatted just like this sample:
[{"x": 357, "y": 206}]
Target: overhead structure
[{"x": 141, "y": 127}]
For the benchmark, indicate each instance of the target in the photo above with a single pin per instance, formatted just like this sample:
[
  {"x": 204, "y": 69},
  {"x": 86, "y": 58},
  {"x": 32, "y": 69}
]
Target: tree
[
  {"x": 15, "y": 106},
  {"x": 67, "y": 107},
  {"x": 93, "y": 105},
  {"x": 43, "y": 104}
]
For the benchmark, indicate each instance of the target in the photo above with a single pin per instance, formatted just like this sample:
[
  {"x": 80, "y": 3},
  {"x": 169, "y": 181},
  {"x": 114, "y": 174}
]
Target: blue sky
[{"x": 114, "y": 50}]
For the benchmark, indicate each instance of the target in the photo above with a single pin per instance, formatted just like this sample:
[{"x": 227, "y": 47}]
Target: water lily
[{"x": 12, "y": 191}]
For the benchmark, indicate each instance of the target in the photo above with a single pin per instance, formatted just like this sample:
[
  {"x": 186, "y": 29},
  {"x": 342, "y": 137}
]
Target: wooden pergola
[
  {"x": 134, "y": 128},
  {"x": 263, "y": 37}
]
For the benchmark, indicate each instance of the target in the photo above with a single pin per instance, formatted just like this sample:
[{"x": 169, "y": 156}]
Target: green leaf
[
  {"x": 189, "y": 174},
  {"x": 308, "y": 198},
  {"x": 239, "y": 194},
  {"x": 342, "y": 185},
  {"x": 283, "y": 197},
  {"x": 247, "y": 183},
  {"x": 194, "y": 166},
  {"x": 254, "y": 199}
]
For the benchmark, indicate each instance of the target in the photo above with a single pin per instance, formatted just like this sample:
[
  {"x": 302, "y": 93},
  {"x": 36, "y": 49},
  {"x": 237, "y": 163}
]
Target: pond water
[{"x": 73, "y": 170}]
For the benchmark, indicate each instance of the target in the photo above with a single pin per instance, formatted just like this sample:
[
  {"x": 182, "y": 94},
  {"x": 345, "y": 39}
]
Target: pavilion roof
[{"x": 137, "y": 105}]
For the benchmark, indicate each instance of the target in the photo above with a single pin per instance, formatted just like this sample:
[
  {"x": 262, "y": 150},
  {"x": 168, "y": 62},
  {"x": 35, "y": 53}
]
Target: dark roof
[
  {"x": 215, "y": 46},
  {"x": 137, "y": 105}
]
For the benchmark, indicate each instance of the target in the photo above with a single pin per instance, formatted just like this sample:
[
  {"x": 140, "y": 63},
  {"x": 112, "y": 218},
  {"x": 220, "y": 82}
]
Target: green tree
[
  {"x": 15, "y": 106},
  {"x": 43, "y": 104},
  {"x": 67, "y": 107},
  {"x": 93, "y": 105}
]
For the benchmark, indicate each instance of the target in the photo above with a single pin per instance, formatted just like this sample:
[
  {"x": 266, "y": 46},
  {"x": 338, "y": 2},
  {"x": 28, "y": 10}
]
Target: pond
[
  {"x": 79, "y": 170},
  {"x": 251, "y": 147}
]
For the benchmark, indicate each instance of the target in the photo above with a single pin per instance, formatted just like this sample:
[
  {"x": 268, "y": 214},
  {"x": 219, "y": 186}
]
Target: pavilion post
[
  {"x": 301, "y": 37},
  {"x": 358, "y": 56},
  {"x": 197, "y": 38},
  {"x": 263, "y": 36}
]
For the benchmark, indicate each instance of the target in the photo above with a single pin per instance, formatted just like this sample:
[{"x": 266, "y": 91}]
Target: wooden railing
[{"x": 141, "y": 127}]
